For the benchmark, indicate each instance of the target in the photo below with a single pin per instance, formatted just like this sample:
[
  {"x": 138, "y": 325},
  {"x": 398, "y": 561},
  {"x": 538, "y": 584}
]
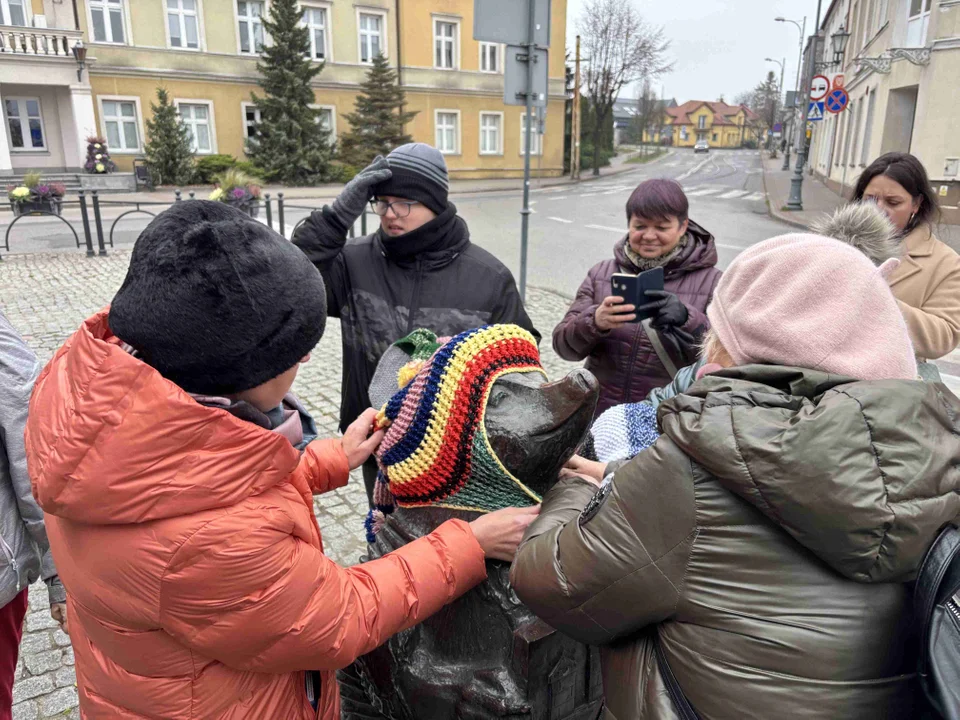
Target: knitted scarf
[
  {"x": 621, "y": 432},
  {"x": 644, "y": 264},
  {"x": 436, "y": 451}
]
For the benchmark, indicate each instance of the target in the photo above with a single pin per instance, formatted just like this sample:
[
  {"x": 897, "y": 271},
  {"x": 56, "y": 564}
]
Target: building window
[
  {"x": 371, "y": 36},
  {"x": 12, "y": 13},
  {"x": 536, "y": 139},
  {"x": 315, "y": 19},
  {"x": 702, "y": 122},
  {"x": 327, "y": 117},
  {"x": 106, "y": 20},
  {"x": 448, "y": 130},
  {"x": 917, "y": 23},
  {"x": 445, "y": 44},
  {"x": 183, "y": 24},
  {"x": 715, "y": 137},
  {"x": 489, "y": 57},
  {"x": 868, "y": 129},
  {"x": 251, "y": 119},
  {"x": 120, "y": 124},
  {"x": 196, "y": 117},
  {"x": 491, "y": 133},
  {"x": 250, "y": 25},
  {"x": 25, "y": 123}
]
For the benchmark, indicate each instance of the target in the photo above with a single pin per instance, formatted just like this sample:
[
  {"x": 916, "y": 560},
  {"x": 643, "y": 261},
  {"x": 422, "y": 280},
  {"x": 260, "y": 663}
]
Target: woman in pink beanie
[{"x": 753, "y": 562}]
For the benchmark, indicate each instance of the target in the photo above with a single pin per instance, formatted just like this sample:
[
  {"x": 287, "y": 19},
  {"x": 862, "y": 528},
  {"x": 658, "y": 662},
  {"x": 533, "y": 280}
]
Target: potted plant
[
  {"x": 235, "y": 187},
  {"x": 36, "y": 196},
  {"x": 98, "y": 157}
]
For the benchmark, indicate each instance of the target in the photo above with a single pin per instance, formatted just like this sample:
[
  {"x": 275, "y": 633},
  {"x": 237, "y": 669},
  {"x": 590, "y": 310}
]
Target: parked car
[{"x": 701, "y": 146}]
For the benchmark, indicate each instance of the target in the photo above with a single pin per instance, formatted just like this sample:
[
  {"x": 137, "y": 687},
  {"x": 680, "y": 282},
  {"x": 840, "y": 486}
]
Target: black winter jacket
[{"x": 382, "y": 288}]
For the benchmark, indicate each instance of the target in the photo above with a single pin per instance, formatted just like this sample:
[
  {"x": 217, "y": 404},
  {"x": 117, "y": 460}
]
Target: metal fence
[{"x": 92, "y": 212}]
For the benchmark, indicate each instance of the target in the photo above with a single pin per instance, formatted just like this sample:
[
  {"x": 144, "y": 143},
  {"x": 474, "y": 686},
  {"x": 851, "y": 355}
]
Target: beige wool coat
[{"x": 927, "y": 288}]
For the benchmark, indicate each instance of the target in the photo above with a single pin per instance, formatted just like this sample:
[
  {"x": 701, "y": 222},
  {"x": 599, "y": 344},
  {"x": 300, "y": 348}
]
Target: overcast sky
[{"x": 719, "y": 46}]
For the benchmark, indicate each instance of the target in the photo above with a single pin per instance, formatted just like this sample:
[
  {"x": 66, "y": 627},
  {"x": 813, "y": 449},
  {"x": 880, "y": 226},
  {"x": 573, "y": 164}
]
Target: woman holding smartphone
[{"x": 607, "y": 331}]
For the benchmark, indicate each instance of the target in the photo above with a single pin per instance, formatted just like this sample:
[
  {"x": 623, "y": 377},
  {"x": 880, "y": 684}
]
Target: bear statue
[{"x": 474, "y": 425}]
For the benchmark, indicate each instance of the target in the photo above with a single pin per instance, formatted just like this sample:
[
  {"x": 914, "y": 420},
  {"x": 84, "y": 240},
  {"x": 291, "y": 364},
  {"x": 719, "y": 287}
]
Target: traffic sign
[
  {"x": 515, "y": 77},
  {"x": 837, "y": 100},
  {"x": 819, "y": 87},
  {"x": 838, "y": 81},
  {"x": 506, "y": 21},
  {"x": 815, "y": 111}
]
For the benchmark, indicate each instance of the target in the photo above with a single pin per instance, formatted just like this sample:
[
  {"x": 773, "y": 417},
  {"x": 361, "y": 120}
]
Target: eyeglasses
[{"x": 401, "y": 208}]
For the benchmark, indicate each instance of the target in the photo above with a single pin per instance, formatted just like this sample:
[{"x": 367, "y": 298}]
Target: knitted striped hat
[{"x": 436, "y": 451}]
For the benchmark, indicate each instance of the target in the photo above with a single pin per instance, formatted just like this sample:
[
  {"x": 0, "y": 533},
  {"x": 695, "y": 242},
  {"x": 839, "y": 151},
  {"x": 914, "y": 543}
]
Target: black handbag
[{"x": 936, "y": 607}]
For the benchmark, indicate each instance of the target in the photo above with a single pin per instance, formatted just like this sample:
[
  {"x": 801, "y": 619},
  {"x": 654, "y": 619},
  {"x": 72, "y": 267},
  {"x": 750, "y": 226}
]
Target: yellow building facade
[
  {"x": 719, "y": 124},
  {"x": 205, "y": 52}
]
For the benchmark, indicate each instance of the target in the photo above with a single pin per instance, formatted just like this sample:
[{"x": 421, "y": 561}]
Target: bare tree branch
[{"x": 621, "y": 49}]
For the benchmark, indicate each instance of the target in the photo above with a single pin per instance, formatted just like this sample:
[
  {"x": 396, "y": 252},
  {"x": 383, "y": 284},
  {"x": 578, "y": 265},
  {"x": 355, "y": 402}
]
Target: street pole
[
  {"x": 525, "y": 212},
  {"x": 575, "y": 124},
  {"x": 796, "y": 97},
  {"x": 796, "y": 182}
]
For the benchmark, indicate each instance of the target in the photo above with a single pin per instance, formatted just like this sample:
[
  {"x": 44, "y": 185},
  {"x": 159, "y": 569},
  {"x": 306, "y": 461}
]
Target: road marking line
[
  {"x": 589, "y": 194},
  {"x": 620, "y": 231},
  {"x": 560, "y": 220},
  {"x": 559, "y": 197},
  {"x": 731, "y": 247},
  {"x": 734, "y": 194},
  {"x": 756, "y": 196},
  {"x": 705, "y": 191}
]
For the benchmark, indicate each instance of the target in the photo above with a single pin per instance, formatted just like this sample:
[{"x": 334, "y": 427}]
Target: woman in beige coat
[{"x": 927, "y": 283}]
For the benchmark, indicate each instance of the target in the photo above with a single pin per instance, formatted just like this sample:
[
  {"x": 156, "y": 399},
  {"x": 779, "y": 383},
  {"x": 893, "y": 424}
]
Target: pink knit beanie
[{"x": 808, "y": 301}]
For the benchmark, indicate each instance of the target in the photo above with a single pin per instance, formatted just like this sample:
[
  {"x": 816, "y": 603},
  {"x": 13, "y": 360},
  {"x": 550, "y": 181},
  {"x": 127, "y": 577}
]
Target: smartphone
[{"x": 632, "y": 289}]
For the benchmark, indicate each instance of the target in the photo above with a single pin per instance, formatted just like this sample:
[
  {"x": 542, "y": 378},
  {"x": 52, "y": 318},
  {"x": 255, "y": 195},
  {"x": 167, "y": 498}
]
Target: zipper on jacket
[
  {"x": 634, "y": 348},
  {"x": 954, "y": 609},
  {"x": 415, "y": 299},
  {"x": 11, "y": 558}
]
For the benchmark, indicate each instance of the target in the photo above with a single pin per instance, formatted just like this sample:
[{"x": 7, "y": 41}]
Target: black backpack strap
[
  {"x": 945, "y": 549},
  {"x": 680, "y": 702}
]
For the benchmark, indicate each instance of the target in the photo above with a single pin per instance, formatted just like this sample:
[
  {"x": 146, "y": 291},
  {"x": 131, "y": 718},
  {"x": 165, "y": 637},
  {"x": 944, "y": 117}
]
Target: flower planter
[
  {"x": 27, "y": 207},
  {"x": 250, "y": 208}
]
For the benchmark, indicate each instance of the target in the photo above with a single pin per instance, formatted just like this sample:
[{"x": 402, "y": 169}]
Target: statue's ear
[{"x": 399, "y": 365}]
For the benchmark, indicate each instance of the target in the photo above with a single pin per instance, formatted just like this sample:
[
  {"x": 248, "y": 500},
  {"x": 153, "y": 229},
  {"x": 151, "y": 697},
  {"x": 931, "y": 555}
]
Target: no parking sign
[{"x": 837, "y": 100}]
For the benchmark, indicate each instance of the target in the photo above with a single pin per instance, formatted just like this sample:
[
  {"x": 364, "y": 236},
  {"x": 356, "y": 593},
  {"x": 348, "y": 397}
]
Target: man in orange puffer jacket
[{"x": 163, "y": 446}]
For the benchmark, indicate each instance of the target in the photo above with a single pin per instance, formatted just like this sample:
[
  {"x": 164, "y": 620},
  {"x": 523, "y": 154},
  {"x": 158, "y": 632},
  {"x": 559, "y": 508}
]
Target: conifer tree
[
  {"x": 291, "y": 146},
  {"x": 378, "y": 119},
  {"x": 168, "y": 151}
]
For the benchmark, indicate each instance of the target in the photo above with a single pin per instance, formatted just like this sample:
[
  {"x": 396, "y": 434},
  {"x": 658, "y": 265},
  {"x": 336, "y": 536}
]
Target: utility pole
[
  {"x": 525, "y": 212},
  {"x": 796, "y": 182},
  {"x": 575, "y": 123}
]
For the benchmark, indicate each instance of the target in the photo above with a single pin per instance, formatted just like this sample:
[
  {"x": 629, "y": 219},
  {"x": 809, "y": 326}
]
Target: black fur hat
[{"x": 216, "y": 302}]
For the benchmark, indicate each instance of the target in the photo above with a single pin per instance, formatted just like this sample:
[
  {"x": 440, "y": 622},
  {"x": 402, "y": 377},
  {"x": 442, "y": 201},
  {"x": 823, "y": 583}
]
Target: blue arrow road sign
[
  {"x": 815, "y": 111},
  {"x": 837, "y": 100}
]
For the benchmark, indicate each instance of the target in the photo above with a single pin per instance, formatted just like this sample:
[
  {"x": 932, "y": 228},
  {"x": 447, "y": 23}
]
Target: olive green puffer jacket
[{"x": 766, "y": 538}]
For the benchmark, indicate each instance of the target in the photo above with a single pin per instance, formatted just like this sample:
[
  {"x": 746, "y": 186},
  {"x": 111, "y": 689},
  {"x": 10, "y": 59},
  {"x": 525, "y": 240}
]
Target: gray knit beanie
[{"x": 419, "y": 173}]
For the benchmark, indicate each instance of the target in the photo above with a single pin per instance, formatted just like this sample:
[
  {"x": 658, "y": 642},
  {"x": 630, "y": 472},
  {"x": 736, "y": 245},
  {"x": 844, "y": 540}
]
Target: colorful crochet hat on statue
[
  {"x": 436, "y": 451},
  {"x": 622, "y": 432}
]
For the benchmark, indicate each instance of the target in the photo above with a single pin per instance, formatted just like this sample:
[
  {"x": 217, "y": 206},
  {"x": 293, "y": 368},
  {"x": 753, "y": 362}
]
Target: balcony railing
[{"x": 38, "y": 41}]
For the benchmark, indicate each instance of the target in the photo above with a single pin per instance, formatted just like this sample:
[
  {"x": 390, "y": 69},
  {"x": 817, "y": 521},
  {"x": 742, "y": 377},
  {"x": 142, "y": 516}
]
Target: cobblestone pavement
[{"x": 46, "y": 297}]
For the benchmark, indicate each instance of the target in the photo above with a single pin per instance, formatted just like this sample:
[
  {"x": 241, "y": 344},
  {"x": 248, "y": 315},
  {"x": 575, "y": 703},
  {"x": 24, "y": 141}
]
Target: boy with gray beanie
[{"x": 418, "y": 270}]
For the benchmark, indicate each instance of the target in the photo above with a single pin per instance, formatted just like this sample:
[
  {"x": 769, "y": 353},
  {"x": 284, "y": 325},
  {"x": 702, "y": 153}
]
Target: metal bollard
[
  {"x": 269, "y": 205},
  {"x": 86, "y": 223},
  {"x": 176, "y": 195},
  {"x": 281, "y": 226},
  {"x": 363, "y": 223},
  {"x": 99, "y": 222},
  {"x": 192, "y": 195}
]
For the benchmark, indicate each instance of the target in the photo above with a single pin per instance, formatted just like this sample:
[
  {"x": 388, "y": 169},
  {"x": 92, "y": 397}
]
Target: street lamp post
[
  {"x": 776, "y": 114},
  {"x": 803, "y": 30},
  {"x": 796, "y": 182}
]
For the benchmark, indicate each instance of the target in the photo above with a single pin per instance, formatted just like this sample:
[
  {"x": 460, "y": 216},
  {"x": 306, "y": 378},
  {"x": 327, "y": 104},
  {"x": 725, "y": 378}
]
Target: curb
[{"x": 771, "y": 211}]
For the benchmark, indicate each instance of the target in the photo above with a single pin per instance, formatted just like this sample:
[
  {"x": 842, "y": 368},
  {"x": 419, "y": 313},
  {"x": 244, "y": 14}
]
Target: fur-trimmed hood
[{"x": 865, "y": 227}]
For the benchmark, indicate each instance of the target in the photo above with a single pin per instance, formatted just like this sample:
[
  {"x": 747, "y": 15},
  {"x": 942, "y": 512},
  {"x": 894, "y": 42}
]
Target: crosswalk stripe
[
  {"x": 621, "y": 231},
  {"x": 560, "y": 220},
  {"x": 559, "y": 197},
  {"x": 705, "y": 191},
  {"x": 756, "y": 196},
  {"x": 734, "y": 194}
]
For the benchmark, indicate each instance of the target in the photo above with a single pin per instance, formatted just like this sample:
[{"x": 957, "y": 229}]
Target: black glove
[
  {"x": 670, "y": 311},
  {"x": 353, "y": 199}
]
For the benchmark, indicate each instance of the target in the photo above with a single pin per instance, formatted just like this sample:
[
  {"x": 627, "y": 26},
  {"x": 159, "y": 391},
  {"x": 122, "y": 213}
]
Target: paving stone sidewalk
[{"x": 46, "y": 297}]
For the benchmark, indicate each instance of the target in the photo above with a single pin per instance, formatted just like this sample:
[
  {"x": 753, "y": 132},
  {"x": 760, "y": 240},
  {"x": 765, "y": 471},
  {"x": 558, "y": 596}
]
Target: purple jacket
[{"x": 623, "y": 360}]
